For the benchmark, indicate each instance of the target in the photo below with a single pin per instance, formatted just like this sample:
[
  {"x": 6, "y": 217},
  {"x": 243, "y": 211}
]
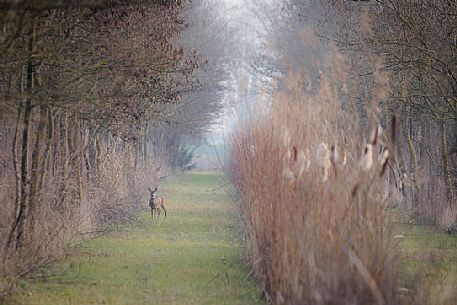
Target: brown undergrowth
[{"x": 68, "y": 207}]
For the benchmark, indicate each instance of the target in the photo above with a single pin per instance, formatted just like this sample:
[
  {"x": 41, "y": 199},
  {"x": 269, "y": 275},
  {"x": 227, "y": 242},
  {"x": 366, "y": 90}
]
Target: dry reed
[{"x": 318, "y": 236}]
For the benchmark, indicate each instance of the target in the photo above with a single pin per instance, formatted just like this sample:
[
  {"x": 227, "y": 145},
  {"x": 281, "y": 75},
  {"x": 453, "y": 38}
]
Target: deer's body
[{"x": 156, "y": 203}]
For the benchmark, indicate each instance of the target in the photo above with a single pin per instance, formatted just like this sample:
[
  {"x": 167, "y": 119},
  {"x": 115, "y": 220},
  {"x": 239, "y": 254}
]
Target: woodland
[{"x": 338, "y": 124}]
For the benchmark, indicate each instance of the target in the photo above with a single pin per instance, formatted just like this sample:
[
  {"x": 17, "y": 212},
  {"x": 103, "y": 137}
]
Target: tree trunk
[
  {"x": 407, "y": 132},
  {"x": 412, "y": 151},
  {"x": 45, "y": 169},
  {"x": 97, "y": 154},
  {"x": 22, "y": 218},
  {"x": 445, "y": 162},
  {"x": 36, "y": 173},
  {"x": 86, "y": 135},
  {"x": 145, "y": 145},
  {"x": 65, "y": 159},
  {"x": 136, "y": 147},
  {"x": 17, "y": 176},
  {"x": 72, "y": 146}
]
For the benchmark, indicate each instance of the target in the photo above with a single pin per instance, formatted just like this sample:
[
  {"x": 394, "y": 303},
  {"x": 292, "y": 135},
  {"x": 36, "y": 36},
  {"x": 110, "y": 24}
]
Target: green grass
[
  {"x": 192, "y": 257},
  {"x": 429, "y": 262},
  {"x": 195, "y": 257}
]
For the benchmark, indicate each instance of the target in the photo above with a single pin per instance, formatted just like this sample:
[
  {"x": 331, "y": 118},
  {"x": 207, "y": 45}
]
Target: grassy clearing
[{"x": 192, "y": 257}]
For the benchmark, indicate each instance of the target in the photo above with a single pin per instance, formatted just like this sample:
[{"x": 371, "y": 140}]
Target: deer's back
[{"x": 159, "y": 201}]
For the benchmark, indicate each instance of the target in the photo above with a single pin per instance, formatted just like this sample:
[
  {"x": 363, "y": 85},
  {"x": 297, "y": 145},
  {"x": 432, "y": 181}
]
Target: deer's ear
[
  {"x": 155, "y": 190},
  {"x": 149, "y": 189}
]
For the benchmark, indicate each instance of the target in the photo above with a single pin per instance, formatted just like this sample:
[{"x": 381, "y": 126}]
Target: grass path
[{"x": 192, "y": 257}]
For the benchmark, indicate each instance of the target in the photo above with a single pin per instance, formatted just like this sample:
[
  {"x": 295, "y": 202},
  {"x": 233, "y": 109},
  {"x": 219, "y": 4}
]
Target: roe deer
[{"x": 156, "y": 203}]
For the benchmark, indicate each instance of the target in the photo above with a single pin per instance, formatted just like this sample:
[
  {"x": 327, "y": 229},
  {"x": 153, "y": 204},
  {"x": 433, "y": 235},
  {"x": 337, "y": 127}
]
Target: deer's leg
[
  {"x": 152, "y": 213},
  {"x": 164, "y": 210}
]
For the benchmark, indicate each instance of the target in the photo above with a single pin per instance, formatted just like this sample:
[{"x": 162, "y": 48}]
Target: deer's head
[{"x": 151, "y": 192}]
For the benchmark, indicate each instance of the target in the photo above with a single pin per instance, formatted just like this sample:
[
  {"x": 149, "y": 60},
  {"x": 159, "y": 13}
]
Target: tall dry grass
[{"x": 314, "y": 237}]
